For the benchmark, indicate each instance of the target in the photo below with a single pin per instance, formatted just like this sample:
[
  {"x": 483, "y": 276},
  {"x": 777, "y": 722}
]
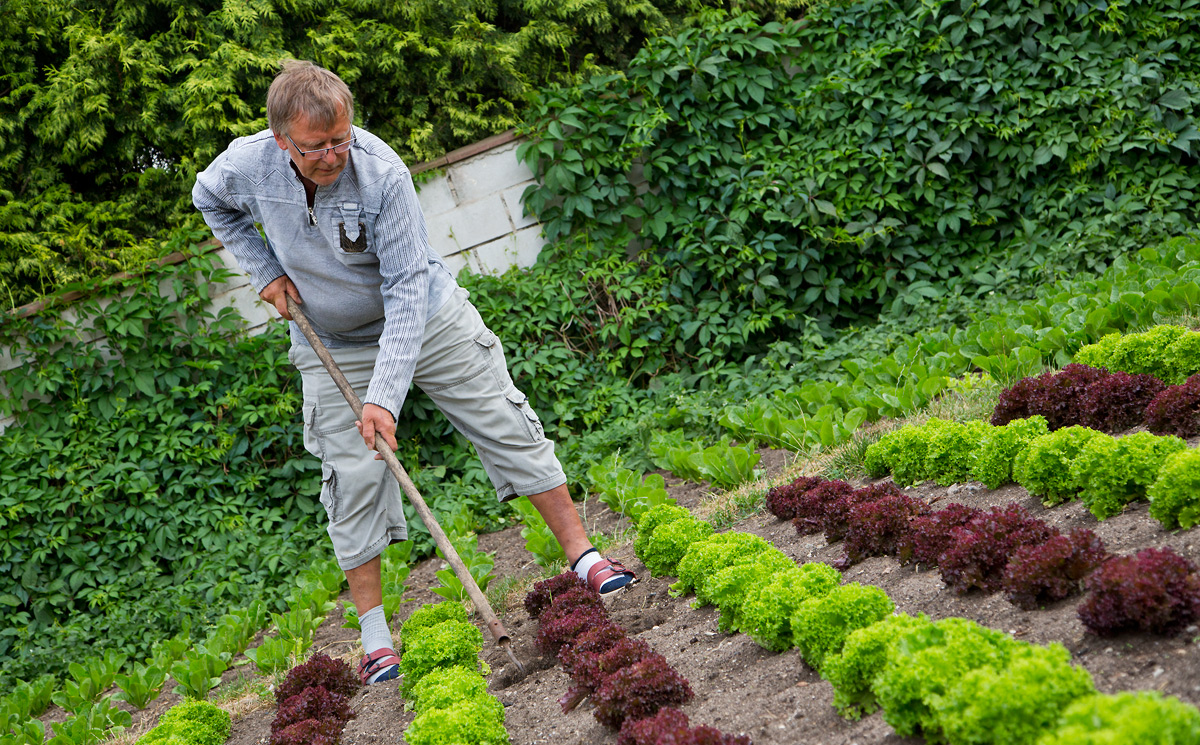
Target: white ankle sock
[
  {"x": 585, "y": 562},
  {"x": 375, "y": 635}
]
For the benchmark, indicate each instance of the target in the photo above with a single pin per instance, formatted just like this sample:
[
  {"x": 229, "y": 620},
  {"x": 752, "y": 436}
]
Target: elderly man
[{"x": 345, "y": 236}]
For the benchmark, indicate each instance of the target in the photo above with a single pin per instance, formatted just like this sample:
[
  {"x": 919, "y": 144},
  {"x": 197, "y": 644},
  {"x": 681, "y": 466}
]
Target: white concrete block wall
[{"x": 473, "y": 206}]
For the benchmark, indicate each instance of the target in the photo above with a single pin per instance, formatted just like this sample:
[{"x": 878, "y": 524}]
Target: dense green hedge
[
  {"x": 879, "y": 154},
  {"x": 107, "y": 110}
]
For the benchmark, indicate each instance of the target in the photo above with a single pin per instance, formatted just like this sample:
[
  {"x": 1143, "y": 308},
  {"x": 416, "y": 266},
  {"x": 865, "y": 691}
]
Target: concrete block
[
  {"x": 470, "y": 225},
  {"x": 456, "y": 262},
  {"x": 529, "y": 243},
  {"x": 487, "y": 173},
  {"x": 496, "y": 257},
  {"x": 4, "y": 423},
  {"x": 436, "y": 196},
  {"x": 516, "y": 210}
]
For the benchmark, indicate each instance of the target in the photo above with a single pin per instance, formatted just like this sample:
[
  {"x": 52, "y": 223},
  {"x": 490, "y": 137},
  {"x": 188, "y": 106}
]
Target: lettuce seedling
[
  {"x": 1013, "y": 704},
  {"x": 447, "y": 687},
  {"x": 479, "y": 721},
  {"x": 981, "y": 548},
  {"x": 671, "y": 726},
  {"x": 811, "y": 506},
  {"x": 1044, "y": 467},
  {"x": 1100, "y": 353},
  {"x": 1181, "y": 359},
  {"x": 1144, "y": 353},
  {"x": 312, "y": 703},
  {"x": 1175, "y": 494},
  {"x": 544, "y": 593},
  {"x": 782, "y": 501},
  {"x": 307, "y": 732},
  {"x": 927, "y": 662},
  {"x": 334, "y": 675},
  {"x": 821, "y": 624},
  {"x": 193, "y": 721},
  {"x": 729, "y": 587},
  {"x": 654, "y": 517},
  {"x": 1156, "y": 590},
  {"x": 928, "y": 537},
  {"x": 998, "y": 448},
  {"x": 428, "y": 616},
  {"x": 863, "y": 656},
  {"x": 766, "y": 614},
  {"x": 1112, "y": 472},
  {"x": 711, "y": 554},
  {"x": 1053, "y": 395},
  {"x": 902, "y": 453},
  {"x": 876, "y": 528},
  {"x": 836, "y": 520},
  {"x": 1143, "y": 717},
  {"x": 639, "y": 691},
  {"x": 1176, "y": 410},
  {"x": 446, "y": 644},
  {"x": 950, "y": 449},
  {"x": 669, "y": 542},
  {"x": 1118, "y": 402},
  {"x": 1045, "y": 572},
  {"x": 561, "y": 624}
]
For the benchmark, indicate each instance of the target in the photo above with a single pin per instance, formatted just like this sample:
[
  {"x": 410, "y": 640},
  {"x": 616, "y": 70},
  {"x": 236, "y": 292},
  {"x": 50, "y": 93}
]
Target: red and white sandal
[
  {"x": 380, "y": 659},
  {"x": 608, "y": 577}
]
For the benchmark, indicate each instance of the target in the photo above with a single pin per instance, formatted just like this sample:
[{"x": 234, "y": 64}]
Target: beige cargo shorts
[{"x": 462, "y": 369}]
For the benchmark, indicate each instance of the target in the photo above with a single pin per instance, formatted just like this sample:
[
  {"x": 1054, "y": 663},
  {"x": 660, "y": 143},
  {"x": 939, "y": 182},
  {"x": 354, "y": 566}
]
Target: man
[{"x": 345, "y": 236}]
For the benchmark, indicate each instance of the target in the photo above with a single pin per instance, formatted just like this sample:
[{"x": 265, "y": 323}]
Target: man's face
[{"x": 324, "y": 171}]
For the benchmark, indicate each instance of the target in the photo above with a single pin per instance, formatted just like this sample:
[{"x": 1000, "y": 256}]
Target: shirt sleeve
[
  {"x": 233, "y": 226},
  {"x": 402, "y": 249}
]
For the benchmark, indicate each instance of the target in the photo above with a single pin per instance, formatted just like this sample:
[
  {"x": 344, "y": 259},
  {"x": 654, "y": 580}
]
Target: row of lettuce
[
  {"x": 633, "y": 688},
  {"x": 1001, "y": 548},
  {"x": 950, "y": 680}
]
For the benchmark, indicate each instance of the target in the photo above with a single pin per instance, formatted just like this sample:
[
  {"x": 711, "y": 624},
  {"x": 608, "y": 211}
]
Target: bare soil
[{"x": 740, "y": 687}]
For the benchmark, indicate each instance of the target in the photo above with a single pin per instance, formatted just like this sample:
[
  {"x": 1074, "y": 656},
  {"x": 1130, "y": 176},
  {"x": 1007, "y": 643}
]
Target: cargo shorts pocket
[
  {"x": 330, "y": 494},
  {"x": 526, "y": 415}
]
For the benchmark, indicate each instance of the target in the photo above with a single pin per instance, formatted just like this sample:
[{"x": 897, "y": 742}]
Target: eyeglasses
[{"x": 319, "y": 153}]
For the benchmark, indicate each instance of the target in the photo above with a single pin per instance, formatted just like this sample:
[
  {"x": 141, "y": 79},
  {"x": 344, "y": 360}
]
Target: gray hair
[{"x": 302, "y": 89}]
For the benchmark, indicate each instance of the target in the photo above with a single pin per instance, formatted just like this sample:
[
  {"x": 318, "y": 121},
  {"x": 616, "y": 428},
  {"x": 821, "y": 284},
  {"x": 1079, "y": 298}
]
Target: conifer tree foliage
[{"x": 108, "y": 109}]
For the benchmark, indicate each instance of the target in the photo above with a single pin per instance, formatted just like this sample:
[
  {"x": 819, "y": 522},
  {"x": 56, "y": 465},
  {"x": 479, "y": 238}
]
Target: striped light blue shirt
[{"x": 361, "y": 259}]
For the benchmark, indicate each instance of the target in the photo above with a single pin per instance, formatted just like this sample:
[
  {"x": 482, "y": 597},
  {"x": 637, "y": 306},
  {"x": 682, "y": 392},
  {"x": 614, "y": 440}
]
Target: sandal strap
[
  {"x": 605, "y": 570},
  {"x": 376, "y": 661}
]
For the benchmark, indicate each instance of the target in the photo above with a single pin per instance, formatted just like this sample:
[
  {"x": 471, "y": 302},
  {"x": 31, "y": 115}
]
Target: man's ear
[{"x": 280, "y": 140}]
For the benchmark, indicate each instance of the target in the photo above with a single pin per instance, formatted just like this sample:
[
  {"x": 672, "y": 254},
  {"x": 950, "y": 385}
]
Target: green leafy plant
[
  {"x": 276, "y": 654},
  {"x": 1044, "y": 466},
  {"x": 998, "y": 449},
  {"x": 478, "y": 563},
  {"x": 625, "y": 491},
  {"x": 199, "y": 672},
  {"x": 1141, "y": 716},
  {"x": 1014, "y": 703},
  {"x": 192, "y": 722},
  {"x": 91, "y": 724},
  {"x": 89, "y": 680},
  {"x": 446, "y": 644},
  {"x": 768, "y": 610},
  {"x": 141, "y": 685},
  {"x": 1112, "y": 472},
  {"x": 821, "y": 624},
  {"x": 669, "y": 541},
  {"x": 298, "y": 624},
  {"x": 863, "y": 656},
  {"x": 1175, "y": 493}
]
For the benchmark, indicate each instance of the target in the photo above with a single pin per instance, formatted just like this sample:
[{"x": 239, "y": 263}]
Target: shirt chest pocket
[{"x": 351, "y": 237}]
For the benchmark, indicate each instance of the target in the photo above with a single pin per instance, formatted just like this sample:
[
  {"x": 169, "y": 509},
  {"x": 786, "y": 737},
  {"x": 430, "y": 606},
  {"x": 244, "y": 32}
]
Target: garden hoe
[{"x": 439, "y": 536}]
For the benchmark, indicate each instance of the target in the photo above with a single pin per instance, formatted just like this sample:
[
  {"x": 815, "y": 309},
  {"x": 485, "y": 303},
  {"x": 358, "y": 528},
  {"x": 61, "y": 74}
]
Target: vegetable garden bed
[{"x": 741, "y": 687}]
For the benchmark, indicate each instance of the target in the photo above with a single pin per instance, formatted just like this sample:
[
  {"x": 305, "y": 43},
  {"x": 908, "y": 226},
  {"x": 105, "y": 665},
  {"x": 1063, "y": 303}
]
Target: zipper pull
[{"x": 312, "y": 218}]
